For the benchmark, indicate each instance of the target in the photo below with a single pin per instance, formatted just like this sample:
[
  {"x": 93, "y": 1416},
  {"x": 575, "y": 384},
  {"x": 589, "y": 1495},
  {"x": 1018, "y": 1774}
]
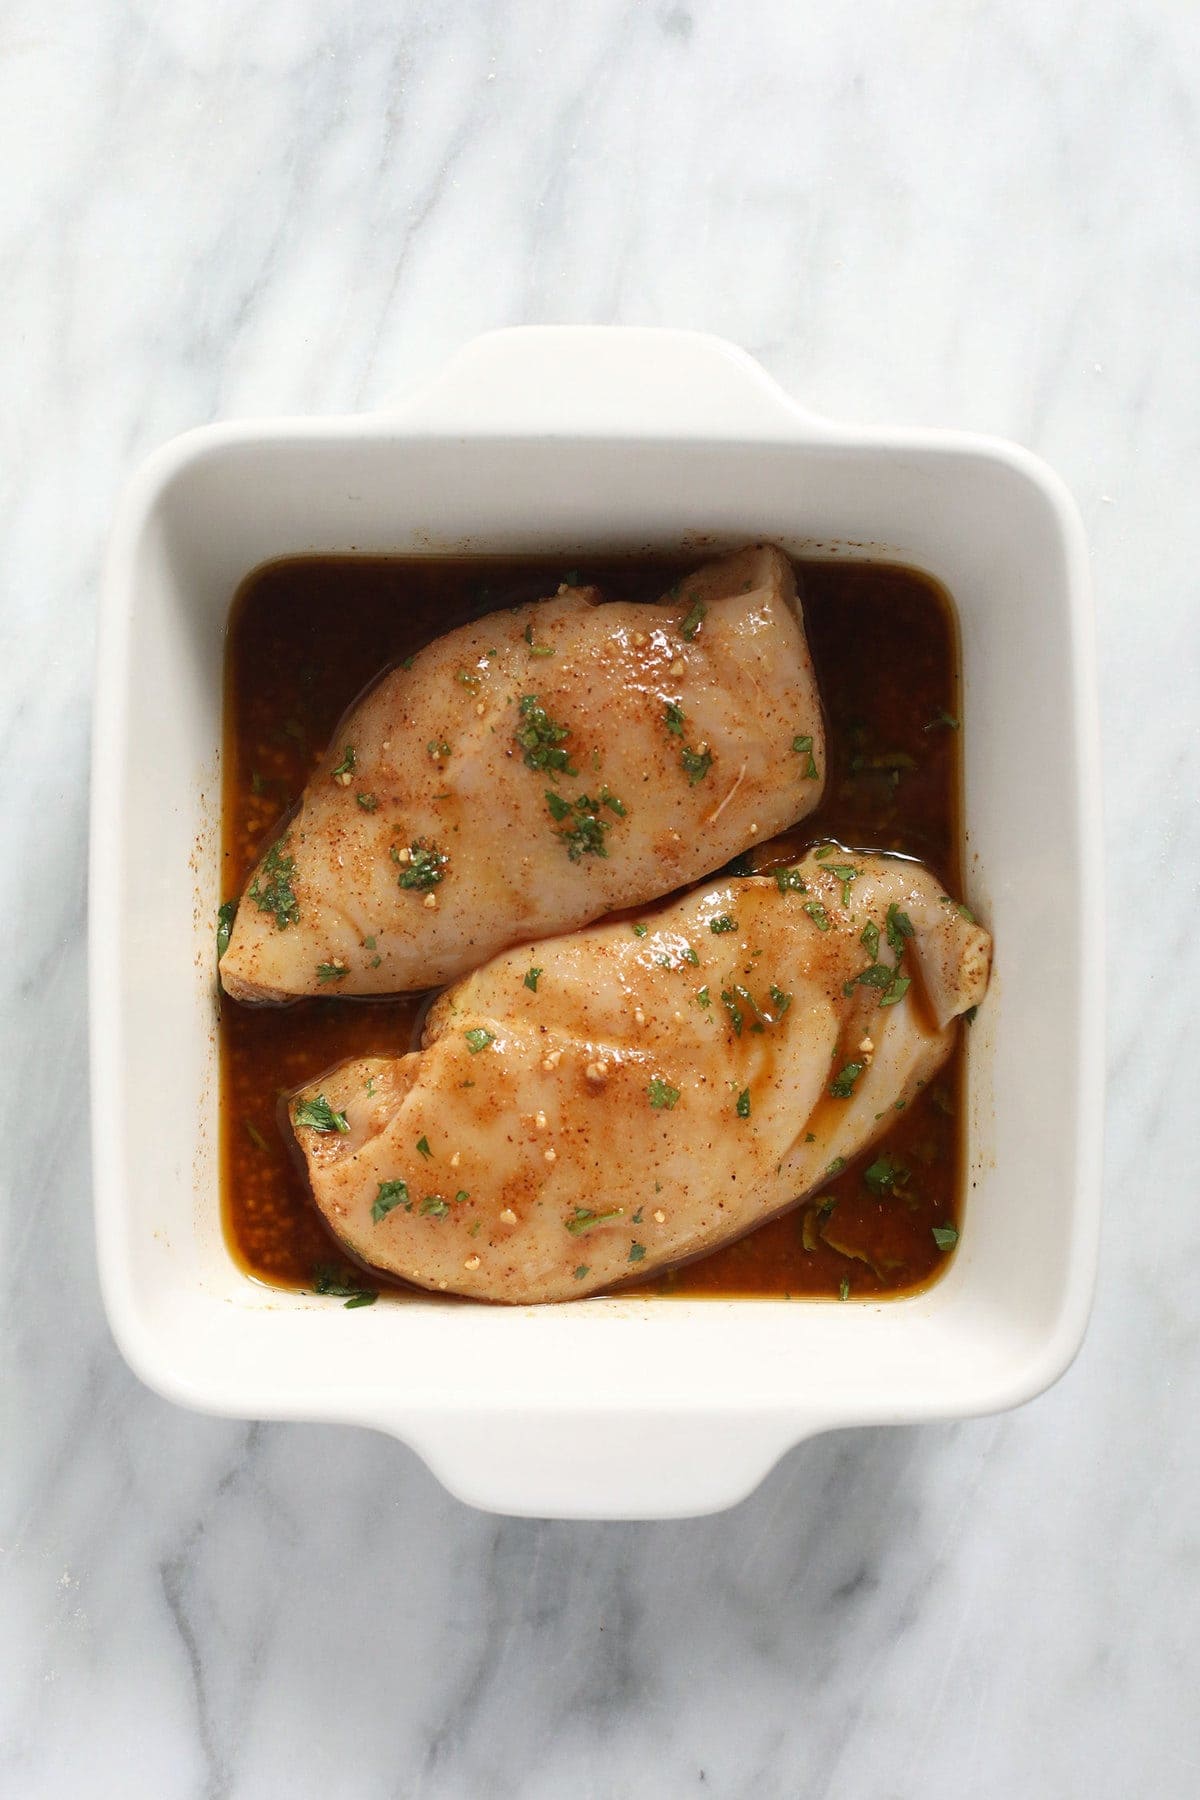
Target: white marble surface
[{"x": 979, "y": 214}]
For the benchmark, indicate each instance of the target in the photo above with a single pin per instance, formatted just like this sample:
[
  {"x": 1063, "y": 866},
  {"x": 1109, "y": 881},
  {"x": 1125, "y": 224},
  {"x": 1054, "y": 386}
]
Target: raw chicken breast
[
  {"x": 596, "y": 1106},
  {"x": 533, "y": 771}
]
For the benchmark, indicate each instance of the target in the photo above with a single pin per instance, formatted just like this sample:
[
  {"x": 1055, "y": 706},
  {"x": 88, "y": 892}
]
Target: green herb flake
[
  {"x": 583, "y": 1220},
  {"x": 434, "y": 1207},
  {"x": 824, "y": 851},
  {"x": 226, "y": 914},
  {"x": 845, "y": 873},
  {"x": 802, "y": 745},
  {"x": 780, "y": 1000},
  {"x": 943, "y": 720},
  {"x": 466, "y": 679},
  {"x": 368, "y": 802},
  {"x": 423, "y": 868},
  {"x": 406, "y": 662},
  {"x": 899, "y": 927},
  {"x": 423, "y": 1147},
  {"x": 743, "y": 1104},
  {"x": 461, "y": 1195},
  {"x": 817, "y": 914},
  {"x": 842, "y": 1085},
  {"x": 673, "y": 719},
  {"x": 885, "y": 1173},
  {"x": 255, "y": 1135},
  {"x": 636, "y": 1252},
  {"x": 731, "y": 1006},
  {"x": 788, "y": 881},
  {"x": 835, "y": 1167},
  {"x": 690, "y": 956},
  {"x": 870, "y": 938},
  {"x": 844, "y": 1290},
  {"x": 640, "y": 930},
  {"x": 318, "y": 1115},
  {"x": 696, "y": 764},
  {"x": 346, "y": 766},
  {"x": 662, "y": 1095},
  {"x": 341, "y": 1284},
  {"x": 877, "y": 975},
  {"x": 332, "y": 971},
  {"x": 722, "y": 924},
  {"x": 531, "y": 979},
  {"x": 693, "y": 621},
  {"x": 391, "y": 1194},
  {"x": 541, "y": 739},
  {"x": 478, "y": 1039},
  {"x": 704, "y": 997},
  {"x": 970, "y": 1014},
  {"x": 582, "y": 1270},
  {"x": 964, "y": 912},
  {"x": 945, "y": 1236},
  {"x": 586, "y": 833},
  {"x": 275, "y": 894},
  {"x": 896, "y": 992}
]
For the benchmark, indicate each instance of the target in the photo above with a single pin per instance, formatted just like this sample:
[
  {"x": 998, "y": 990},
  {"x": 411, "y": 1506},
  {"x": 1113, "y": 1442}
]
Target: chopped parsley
[
  {"x": 876, "y": 975},
  {"x": 870, "y": 938},
  {"x": 318, "y": 1115},
  {"x": 531, "y": 979},
  {"x": 896, "y": 992},
  {"x": 696, "y": 764},
  {"x": 704, "y": 997},
  {"x": 332, "y": 971},
  {"x": 945, "y": 1236},
  {"x": 582, "y": 1270},
  {"x": 845, "y": 873},
  {"x": 673, "y": 719},
  {"x": 661, "y": 1094},
  {"x": 732, "y": 1008},
  {"x": 637, "y": 1217},
  {"x": 478, "y": 1039},
  {"x": 640, "y": 930},
  {"x": 537, "y": 649},
  {"x": 694, "y": 620},
  {"x": 803, "y": 747},
  {"x": 844, "y": 1290},
  {"x": 434, "y": 1207},
  {"x": 636, "y": 1252},
  {"x": 781, "y": 1000},
  {"x": 391, "y": 1194},
  {"x": 743, "y": 1104},
  {"x": 583, "y": 1220},
  {"x": 368, "y": 802},
  {"x": 586, "y": 832},
  {"x": 424, "y": 868},
  {"x": 341, "y": 1283},
  {"x": 964, "y": 912},
  {"x": 466, "y": 679},
  {"x": 970, "y": 1014},
  {"x": 275, "y": 894},
  {"x": 689, "y": 956},
  {"x": 226, "y": 914},
  {"x": 461, "y": 1195},
  {"x": 817, "y": 914},
  {"x": 886, "y": 1172},
  {"x": 423, "y": 1146},
  {"x": 835, "y": 1167},
  {"x": 541, "y": 739},
  {"x": 899, "y": 927},
  {"x": 346, "y": 766},
  {"x": 824, "y": 851},
  {"x": 788, "y": 881},
  {"x": 721, "y": 924},
  {"x": 842, "y": 1085},
  {"x": 437, "y": 748}
]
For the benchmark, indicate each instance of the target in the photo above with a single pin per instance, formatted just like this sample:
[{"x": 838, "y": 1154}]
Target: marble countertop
[{"x": 974, "y": 215}]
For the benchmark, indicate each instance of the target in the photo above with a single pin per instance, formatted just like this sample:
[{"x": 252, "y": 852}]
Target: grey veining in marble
[{"x": 977, "y": 214}]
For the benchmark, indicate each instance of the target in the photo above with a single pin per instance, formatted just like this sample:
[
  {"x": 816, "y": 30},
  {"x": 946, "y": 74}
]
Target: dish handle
[
  {"x": 607, "y": 381},
  {"x": 621, "y": 1465}
]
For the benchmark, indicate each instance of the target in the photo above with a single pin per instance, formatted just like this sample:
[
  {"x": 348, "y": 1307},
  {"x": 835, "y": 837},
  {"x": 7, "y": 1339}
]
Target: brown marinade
[{"x": 306, "y": 635}]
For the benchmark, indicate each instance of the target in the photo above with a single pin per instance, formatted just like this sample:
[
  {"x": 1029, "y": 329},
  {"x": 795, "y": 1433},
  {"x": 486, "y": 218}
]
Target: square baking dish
[{"x": 570, "y": 441}]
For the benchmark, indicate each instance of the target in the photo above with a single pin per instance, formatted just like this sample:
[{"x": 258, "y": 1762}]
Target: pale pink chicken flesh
[
  {"x": 593, "y": 1107},
  {"x": 533, "y": 771}
]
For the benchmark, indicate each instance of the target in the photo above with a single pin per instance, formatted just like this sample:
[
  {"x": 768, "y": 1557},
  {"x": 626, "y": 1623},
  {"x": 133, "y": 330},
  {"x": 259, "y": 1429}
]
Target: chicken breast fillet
[
  {"x": 597, "y": 1106},
  {"x": 533, "y": 771}
]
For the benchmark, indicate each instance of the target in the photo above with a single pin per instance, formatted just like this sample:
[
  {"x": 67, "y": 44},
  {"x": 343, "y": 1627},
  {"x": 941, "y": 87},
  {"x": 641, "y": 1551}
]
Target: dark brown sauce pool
[{"x": 307, "y": 634}]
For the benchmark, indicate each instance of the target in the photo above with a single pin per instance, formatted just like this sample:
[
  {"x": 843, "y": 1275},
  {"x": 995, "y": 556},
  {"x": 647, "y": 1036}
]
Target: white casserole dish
[{"x": 567, "y": 440}]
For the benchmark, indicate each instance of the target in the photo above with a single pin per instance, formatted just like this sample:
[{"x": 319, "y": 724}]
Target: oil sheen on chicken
[
  {"x": 597, "y": 1106},
  {"x": 533, "y": 771}
]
